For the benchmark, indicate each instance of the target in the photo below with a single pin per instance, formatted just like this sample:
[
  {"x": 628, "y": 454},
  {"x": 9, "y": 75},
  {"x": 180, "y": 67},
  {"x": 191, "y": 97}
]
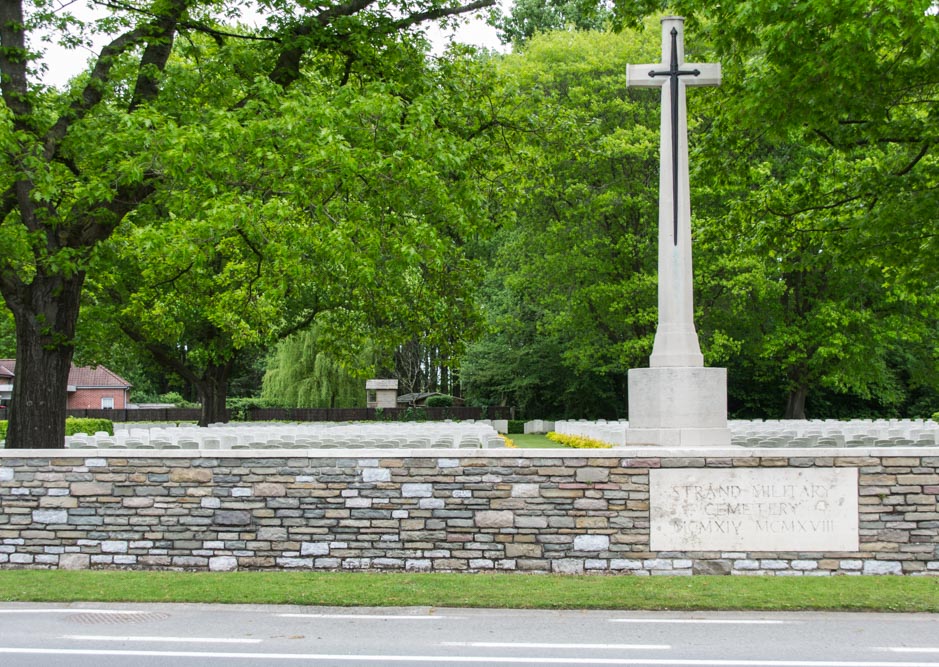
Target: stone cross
[{"x": 676, "y": 340}]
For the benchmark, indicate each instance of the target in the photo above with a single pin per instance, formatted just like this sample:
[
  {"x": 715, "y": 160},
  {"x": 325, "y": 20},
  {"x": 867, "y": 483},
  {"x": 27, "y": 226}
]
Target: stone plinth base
[{"x": 678, "y": 407}]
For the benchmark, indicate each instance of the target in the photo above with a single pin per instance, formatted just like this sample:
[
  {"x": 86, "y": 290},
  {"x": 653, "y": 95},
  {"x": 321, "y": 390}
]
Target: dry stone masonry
[{"x": 510, "y": 510}]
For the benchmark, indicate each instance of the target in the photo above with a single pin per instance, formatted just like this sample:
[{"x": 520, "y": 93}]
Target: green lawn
[
  {"x": 897, "y": 594},
  {"x": 533, "y": 441}
]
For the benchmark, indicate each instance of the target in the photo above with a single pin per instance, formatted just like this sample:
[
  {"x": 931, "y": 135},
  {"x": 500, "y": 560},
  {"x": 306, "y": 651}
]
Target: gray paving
[{"x": 134, "y": 634}]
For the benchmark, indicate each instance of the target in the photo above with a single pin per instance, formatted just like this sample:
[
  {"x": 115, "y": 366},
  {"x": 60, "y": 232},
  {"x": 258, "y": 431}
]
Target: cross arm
[
  {"x": 710, "y": 74},
  {"x": 637, "y": 76}
]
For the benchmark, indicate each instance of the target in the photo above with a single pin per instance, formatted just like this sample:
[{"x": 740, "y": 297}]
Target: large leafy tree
[
  {"x": 804, "y": 309},
  {"x": 815, "y": 236},
  {"x": 78, "y": 164},
  {"x": 7, "y": 334},
  {"x": 526, "y": 18},
  {"x": 572, "y": 293},
  {"x": 302, "y": 373},
  {"x": 822, "y": 158},
  {"x": 344, "y": 200}
]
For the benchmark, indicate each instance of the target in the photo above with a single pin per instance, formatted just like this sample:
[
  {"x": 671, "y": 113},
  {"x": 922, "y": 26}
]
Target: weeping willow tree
[{"x": 302, "y": 373}]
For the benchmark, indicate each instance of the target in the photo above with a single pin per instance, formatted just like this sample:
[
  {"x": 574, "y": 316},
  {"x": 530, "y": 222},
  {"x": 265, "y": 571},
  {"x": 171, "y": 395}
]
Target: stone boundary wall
[{"x": 556, "y": 511}]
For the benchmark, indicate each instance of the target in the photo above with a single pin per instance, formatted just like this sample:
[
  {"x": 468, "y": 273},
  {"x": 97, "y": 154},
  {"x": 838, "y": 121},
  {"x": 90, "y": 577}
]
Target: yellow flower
[{"x": 578, "y": 441}]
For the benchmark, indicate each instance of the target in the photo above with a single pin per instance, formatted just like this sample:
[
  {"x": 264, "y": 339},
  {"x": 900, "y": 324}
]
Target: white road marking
[
  {"x": 194, "y": 640},
  {"x": 443, "y": 659},
  {"x": 616, "y": 647},
  {"x": 114, "y": 612},
  {"x": 370, "y": 617},
  {"x": 716, "y": 621},
  {"x": 910, "y": 649}
]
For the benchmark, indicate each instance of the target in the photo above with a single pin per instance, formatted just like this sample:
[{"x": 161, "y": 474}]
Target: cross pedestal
[
  {"x": 677, "y": 401},
  {"x": 678, "y": 407}
]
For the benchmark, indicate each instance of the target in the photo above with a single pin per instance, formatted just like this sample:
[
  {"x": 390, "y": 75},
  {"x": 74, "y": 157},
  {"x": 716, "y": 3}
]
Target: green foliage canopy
[
  {"x": 821, "y": 156},
  {"x": 301, "y": 374},
  {"x": 571, "y": 296},
  {"x": 76, "y": 165}
]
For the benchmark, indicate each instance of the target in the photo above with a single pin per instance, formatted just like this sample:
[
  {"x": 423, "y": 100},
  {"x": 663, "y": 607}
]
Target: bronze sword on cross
[
  {"x": 673, "y": 72},
  {"x": 704, "y": 75}
]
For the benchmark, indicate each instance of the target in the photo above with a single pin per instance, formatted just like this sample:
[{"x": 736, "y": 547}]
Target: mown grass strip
[{"x": 896, "y": 594}]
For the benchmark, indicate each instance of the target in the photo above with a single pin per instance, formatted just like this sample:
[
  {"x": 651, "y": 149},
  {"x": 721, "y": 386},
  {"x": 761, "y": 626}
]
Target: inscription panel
[{"x": 754, "y": 509}]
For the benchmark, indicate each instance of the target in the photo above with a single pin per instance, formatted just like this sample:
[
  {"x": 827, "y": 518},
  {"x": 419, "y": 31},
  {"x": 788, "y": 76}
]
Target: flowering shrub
[
  {"x": 508, "y": 442},
  {"x": 578, "y": 441}
]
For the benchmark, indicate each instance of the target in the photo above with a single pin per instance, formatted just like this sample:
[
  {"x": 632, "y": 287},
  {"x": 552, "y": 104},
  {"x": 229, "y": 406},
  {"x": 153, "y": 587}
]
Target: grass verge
[{"x": 882, "y": 593}]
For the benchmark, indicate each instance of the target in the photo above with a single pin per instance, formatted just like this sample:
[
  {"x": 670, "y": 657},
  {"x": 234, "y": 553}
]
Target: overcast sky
[{"x": 63, "y": 64}]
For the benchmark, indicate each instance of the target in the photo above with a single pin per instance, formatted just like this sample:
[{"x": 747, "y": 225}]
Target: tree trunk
[
  {"x": 795, "y": 406},
  {"x": 213, "y": 390},
  {"x": 45, "y": 313}
]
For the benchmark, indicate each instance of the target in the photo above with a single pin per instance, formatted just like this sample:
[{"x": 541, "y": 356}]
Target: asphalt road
[{"x": 79, "y": 635}]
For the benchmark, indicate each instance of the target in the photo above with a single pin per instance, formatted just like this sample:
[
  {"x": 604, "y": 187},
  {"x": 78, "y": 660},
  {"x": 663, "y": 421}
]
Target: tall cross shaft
[
  {"x": 676, "y": 341},
  {"x": 673, "y": 72}
]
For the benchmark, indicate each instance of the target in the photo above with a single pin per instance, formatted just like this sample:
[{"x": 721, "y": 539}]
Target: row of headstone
[
  {"x": 407, "y": 435},
  {"x": 538, "y": 426},
  {"x": 790, "y": 433},
  {"x": 834, "y": 433}
]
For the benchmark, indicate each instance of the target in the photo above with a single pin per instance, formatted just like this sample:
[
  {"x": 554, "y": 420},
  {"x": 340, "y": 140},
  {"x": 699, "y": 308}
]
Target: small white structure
[
  {"x": 381, "y": 393},
  {"x": 677, "y": 401}
]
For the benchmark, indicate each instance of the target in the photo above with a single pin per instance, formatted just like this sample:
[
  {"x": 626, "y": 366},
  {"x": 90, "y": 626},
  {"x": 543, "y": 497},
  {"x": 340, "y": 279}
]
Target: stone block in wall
[
  {"x": 114, "y": 546},
  {"x": 190, "y": 475},
  {"x": 625, "y": 564},
  {"x": 232, "y": 518},
  {"x": 526, "y": 490},
  {"x": 50, "y": 516},
  {"x": 495, "y": 519},
  {"x": 804, "y": 565},
  {"x": 376, "y": 475},
  {"x": 882, "y": 567},
  {"x": 74, "y": 561},
  {"x": 417, "y": 490},
  {"x": 717, "y": 566},
  {"x": 694, "y": 462},
  {"x": 517, "y": 550},
  {"x": 567, "y": 566},
  {"x": 591, "y": 542},
  {"x": 591, "y": 475},
  {"x": 268, "y": 490},
  {"x": 533, "y": 564},
  {"x": 90, "y": 489},
  {"x": 223, "y": 564}
]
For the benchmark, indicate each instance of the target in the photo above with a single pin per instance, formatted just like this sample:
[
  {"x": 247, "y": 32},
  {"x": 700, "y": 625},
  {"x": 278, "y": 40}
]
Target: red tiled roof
[
  {"x": 99, "y": 376},
  {"x": 80, "y": 376}
]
